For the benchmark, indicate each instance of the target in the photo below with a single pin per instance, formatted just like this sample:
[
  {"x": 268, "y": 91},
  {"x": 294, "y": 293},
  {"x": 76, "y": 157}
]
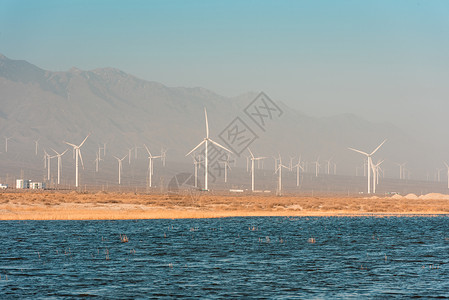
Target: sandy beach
[{"x": 50, "y": 205}]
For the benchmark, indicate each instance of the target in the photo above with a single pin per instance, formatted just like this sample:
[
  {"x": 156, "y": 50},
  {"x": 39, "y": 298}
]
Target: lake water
[{"x": 226, "y": 258}]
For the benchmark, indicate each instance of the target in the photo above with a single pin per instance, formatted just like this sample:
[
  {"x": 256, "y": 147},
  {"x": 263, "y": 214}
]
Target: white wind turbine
[
  {"x": 150, "y": 165},
  {"x": 252, "y": 167},
  {"x": 163, "y": 155},
  {"x": 47, "y": 163},
  {"x": 59, "y": 155},
  {"x": 401, "y": 170},
  {"x": 197, "y": 163},
  {"x": 447, "y": 166},
  {"x": 77, "y": 155},
  {"x": 317, "y": 166},
  {"x": 96, "y": 161},
  {"x": 376, "y": 168},
  {"x": 36, "y": 142},
  {"x": 279, "y": 171},
  {"x": 226, "y": 167},
  {"x": 6, "y": 143},
  {"x": 329, "y": 165},
  {"x": 120, "y": 167},
  {"x": 298, "y": 166},
  {"x": 369, "y": 162},
  {"x": 205, "y": 142}
]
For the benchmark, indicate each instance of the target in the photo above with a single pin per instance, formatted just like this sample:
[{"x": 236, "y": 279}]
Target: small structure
[
  {"x": 37, "y": 185},
  {"x": 23, "y": 183},
  {"x": 3, "y": 186}
]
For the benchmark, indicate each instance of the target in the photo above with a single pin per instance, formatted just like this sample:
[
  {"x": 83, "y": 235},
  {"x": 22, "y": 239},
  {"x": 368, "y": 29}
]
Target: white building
[
  {"x": 22, "y": 184},
  {"x": 37, "y": 185}
]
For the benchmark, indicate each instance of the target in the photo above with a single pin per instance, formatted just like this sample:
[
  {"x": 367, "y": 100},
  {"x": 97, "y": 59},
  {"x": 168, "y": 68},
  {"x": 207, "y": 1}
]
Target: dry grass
[{"x": 100, "y": 206}]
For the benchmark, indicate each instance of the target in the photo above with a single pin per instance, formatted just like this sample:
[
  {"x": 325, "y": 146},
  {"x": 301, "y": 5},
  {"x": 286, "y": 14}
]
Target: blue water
[{"x": 226, "y": 258}]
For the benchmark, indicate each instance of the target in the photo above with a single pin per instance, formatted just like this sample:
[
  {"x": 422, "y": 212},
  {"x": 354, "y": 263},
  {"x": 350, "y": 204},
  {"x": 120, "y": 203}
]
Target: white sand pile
[
  {"x": 411, "y": 197},
  {"x": 434, "y": 196},
  {"x": 397, "y": 196}
]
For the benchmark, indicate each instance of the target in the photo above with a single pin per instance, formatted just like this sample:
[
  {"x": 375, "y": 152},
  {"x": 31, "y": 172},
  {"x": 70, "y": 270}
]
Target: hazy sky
[{"x": 383, "y": 60}]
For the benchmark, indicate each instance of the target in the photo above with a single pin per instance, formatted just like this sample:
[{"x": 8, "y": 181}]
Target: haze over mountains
[{"x": 125, "y": 111}]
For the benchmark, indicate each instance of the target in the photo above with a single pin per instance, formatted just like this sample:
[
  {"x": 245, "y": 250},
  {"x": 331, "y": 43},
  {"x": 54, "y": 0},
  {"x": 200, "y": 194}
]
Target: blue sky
[{"x": 383, "y": 60}]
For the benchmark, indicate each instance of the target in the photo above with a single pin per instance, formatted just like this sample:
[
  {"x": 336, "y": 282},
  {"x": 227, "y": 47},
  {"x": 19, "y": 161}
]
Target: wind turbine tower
[
  {"x": 370, "y": 163},
  {"x": 78, "y": 155},
  {"x": 205, "y": 142},
  {"x": 120, "y": 167},
  {"x": 59, "y": 155},
  {"x": 253, "y": 158}
]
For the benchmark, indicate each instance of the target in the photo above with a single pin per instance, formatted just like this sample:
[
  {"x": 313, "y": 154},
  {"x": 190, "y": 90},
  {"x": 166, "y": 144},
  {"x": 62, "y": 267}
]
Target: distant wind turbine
[
  {"x": 226, "y": 167},
  {"x": 205, "y": 142},
  {"x": 298, "y": 166},
  {"x": 376, "y": 168},
  {"x": 369, "y": 162},
  {"x": 77, "y": 155},
  {"x": 447, "y": 166},
  {"x": 197, "y": 163},
  {"x": 253, "y": 158},
  {"x": 120, "y": 167},
  {"x": 150, "y": 165},
  {"x": 279, "y": 171},
  {"x": 6, "y": 143},
  {"x": 37, "y": 145},
  {"x": 59, "y": 155}
]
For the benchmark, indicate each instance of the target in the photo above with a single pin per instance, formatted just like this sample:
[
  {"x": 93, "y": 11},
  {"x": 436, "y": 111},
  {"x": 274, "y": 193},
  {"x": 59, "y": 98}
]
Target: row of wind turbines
[
  {"x": 373, "y": 170},
  {"x": 278, "y": 163}
]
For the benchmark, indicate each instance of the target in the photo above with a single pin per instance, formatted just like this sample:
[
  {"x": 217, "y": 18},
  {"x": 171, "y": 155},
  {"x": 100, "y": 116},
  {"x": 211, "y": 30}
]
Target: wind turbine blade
[
  {"x": 54, "y": 150},
  {"x": 124, "y": 157},
  {"x": 364, "y": 153},
  {"x": 218, "y": 145},
  {"x": 84, "y": 140},
  {"x": 81, "y": 157},
  {"x": 378, "y": 147},
  {"x": 207, "y": 124},
  {"x": 148, "y": 150},
  {"x": 199, "y": 145},
  {"x": 116, "y": 157},
  {"x": 252, "y": 155},
  {"x": 64, "y": 152},
  {"x": 74, "y": 146}
]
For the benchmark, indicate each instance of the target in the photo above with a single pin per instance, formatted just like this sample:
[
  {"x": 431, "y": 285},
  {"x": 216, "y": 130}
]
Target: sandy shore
[{"x": 103, "y": 206}]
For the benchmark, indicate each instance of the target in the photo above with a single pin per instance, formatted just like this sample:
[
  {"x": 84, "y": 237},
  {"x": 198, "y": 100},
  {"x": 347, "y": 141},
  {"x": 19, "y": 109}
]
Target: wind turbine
[
  {"x": 150, "y": 164},
  {"x": 298, "y": 166},
  {"x": 279, "y": 171},
  {"x": 37, "y": 145},
  {"x": 317, "y": 166},
  {"x": 120, "y": 167},
  {"x": 226, "y": 167},
  {"x": 163, "y": 155},
  {"x": 329, "y": 165},
  {"x": 205, "y": 142},
  {"x": 6, "y": 143},
  {"x": 197, "y": 163},
  {"x": 96, "y": 161},
  {"x": 376, "y": 174},
  {"x": 369, "y": 162},
  {"x": 401, "y": 170},
  {"x": 252, "y": 167},
  {"x": 77, "y": 155},
  {"x": 59, "y": 155},
  {"x": 447, "y": 166}
]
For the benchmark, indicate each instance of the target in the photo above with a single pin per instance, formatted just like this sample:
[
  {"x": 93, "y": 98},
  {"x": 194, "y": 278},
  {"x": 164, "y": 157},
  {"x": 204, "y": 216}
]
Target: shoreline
[{"x": 117, "y": 206}]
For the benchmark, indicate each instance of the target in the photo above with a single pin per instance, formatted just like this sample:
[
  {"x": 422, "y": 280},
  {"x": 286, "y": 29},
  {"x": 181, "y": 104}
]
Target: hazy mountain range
[{"x": 124, "y": 111}]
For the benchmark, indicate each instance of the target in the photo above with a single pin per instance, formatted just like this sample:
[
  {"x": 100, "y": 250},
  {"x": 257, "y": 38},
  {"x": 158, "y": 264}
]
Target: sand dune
[{"x": 99, "y": 206}]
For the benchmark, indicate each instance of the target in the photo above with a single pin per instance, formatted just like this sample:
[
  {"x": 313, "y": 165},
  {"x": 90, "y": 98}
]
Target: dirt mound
[
  {"x": 411, "y": 197},
  {"x": 435, "y": 196},
  {"x": 397, "y": 196}
]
